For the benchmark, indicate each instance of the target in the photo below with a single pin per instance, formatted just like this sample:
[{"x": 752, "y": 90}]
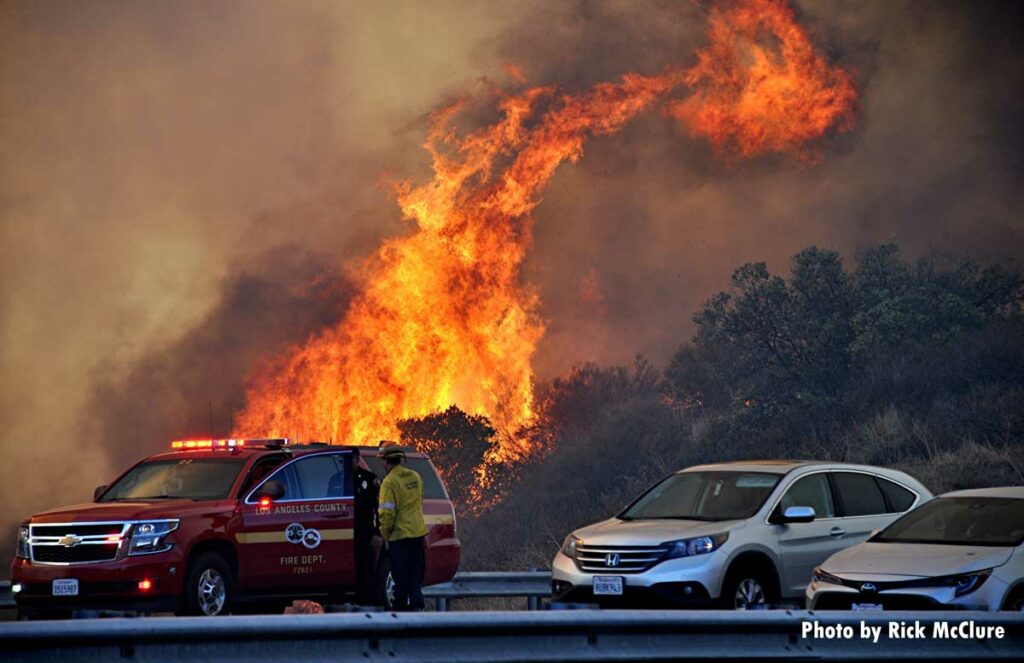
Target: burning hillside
[{"x": 444, "y": 316}]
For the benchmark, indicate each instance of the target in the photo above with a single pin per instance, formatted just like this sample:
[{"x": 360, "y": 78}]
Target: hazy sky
[{"x": 183, "y": 185}]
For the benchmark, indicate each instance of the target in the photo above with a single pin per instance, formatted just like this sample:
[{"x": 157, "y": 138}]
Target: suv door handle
[{"x": 836, "y": 531}]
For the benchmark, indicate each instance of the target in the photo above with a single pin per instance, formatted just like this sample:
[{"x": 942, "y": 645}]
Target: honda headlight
[
  {"x": 700, "y": 545},
  {"x": 22, "y": 550},
  {"x": 149, "y": 537},
  {"x": 569, "y": 546}
]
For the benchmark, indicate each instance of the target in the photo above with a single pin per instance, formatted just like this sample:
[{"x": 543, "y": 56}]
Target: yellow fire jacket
[{"x": 401, "y": 505}]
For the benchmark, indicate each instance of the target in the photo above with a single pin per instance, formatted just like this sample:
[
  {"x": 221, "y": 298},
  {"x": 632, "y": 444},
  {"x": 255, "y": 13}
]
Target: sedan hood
[
  {"x": 919, "y": 560},
  {"x": 650, "y": 532}
]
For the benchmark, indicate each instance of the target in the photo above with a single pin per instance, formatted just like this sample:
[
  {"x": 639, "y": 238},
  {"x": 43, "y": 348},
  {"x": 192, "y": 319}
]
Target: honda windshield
[
  {"x": 960, "y": 521},
  {"x": 187, "y": 478},
  {"x": 704, "y": 496}
]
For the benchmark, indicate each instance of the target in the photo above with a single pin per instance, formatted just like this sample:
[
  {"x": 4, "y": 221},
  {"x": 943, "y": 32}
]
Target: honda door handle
[{"x": 837, "y": 532}]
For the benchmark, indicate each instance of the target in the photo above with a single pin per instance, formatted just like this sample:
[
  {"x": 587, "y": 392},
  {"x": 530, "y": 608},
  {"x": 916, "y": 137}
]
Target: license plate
[
  {"x": 607, "y": 585},
  {"x": 65, "y": 587},
  {"x": 866, "y": 607}
]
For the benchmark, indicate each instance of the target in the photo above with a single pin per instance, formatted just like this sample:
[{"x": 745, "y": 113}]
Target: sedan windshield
[
  {"x": 960, "y": 521},
  {"x": 704, "y": 496},
  {"x": 189, "y": 478}
]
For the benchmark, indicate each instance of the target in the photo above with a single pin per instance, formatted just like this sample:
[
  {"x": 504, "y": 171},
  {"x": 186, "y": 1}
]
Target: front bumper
[
  {"x": 686, "y": 581},
  {"x": 110, "y": 585},
  {"x": 829, "y": 596}
]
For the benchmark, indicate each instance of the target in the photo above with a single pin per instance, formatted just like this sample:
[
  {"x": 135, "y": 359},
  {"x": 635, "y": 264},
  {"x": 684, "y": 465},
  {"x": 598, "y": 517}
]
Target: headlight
[
  {"x": 967, "y": 583},
  {"x": 700, "y": 545},
  {"x": 822, "y": 576},
  {"x": 22, "y": 549},
  {"x": 569, "y": 546},
  {"x": 148, "y": 538}
]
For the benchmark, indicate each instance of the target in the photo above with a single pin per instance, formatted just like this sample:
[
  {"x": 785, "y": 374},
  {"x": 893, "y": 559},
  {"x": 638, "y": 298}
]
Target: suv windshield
[
  {"x": 704, "y": 496},
  {"x": 960, "y": 521},
  {"x": 189, "y": 478}
]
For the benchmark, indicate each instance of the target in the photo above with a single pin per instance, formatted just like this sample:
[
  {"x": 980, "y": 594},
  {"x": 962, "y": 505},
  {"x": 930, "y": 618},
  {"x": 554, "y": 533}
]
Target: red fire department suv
[{"x": 216, "y": 523}]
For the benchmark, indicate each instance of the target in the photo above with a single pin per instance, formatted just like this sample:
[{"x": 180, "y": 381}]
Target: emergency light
[{"x": 271, "y": 442}]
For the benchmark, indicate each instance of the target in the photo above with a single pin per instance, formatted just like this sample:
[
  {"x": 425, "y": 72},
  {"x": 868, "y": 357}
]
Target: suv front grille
[
  {"x": 618, "y": 559},
  {"x": 77, "y": 543},
  {"x": 80, "y": 553}
]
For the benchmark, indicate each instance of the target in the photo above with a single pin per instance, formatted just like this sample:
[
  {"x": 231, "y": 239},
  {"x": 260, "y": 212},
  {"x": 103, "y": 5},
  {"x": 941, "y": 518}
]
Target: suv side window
[
  {"x": 260, "y": 469},
  {"x": 320, "y": 477},
  {"x": 812, "y": 491},
  {"x": 899, "y": 497},
  {"x": 859, "y": 494}
]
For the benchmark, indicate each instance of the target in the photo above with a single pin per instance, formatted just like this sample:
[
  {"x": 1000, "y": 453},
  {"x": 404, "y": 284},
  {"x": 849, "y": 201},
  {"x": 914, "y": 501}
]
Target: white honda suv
[{"x": 736, "y": 535}]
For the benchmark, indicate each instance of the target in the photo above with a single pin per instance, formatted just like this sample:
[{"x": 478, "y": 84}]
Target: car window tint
[
  {"x": 812, "y": 491},
  {"x": 319, "y": 476},
  {"x": 433, "y": 489},
  {"x": 260, "y": 470},
  {"x": 859, "y": 493},
  {"x": 899, "y": 497}
]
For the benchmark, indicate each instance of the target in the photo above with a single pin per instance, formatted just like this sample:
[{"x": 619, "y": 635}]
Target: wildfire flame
[{"x": 444, "y": 316}]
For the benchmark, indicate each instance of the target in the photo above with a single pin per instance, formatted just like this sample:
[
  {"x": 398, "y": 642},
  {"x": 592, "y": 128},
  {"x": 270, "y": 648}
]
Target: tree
[{"x": 459, "y": 445}]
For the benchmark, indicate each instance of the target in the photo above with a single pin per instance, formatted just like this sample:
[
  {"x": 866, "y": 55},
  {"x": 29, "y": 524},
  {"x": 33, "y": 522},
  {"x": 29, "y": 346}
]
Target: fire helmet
[{"x": 390, "y": 450}]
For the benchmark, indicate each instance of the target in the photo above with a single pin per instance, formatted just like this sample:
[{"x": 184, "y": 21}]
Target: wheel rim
[
  {"x": 389, "y": 590},
  {"x": 749, "y": 592},
  {"x": 212, "y": 592}
]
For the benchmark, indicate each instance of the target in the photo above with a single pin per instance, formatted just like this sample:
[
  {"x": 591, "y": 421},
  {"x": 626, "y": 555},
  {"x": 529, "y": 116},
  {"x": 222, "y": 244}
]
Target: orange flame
[
  {"x": 760, "y": 86},
  {"x": 443, "y": 316}
]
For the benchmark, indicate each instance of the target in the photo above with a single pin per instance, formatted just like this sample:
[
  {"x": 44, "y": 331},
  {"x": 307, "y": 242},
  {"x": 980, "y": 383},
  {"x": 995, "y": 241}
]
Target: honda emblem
[{"x": 611, "y": 559}]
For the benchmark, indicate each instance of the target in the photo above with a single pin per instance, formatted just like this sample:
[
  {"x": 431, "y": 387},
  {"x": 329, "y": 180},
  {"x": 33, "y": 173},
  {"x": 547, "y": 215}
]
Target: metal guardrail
[
  {"x": 533, "y": 585},
  {"x": 506, "y": 637}
]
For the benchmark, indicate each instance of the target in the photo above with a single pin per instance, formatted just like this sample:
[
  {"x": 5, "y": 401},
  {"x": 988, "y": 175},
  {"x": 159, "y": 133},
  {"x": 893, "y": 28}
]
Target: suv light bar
[{"x": 269, "y": 442}]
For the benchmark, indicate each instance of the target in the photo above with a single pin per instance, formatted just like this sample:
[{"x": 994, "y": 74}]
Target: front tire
[
  {"x": 1016, "y": 601},
  {"x": 209, "y": 586},
  {"x": 748, "y": 589}
]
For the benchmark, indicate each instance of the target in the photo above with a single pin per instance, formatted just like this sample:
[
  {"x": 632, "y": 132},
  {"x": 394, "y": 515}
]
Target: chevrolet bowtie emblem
[{"x": 69, "y": 540}]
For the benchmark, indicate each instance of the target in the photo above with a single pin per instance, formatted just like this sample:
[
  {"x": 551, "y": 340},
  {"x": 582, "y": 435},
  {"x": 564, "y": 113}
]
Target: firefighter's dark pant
[{"x": 407, "y": 565}]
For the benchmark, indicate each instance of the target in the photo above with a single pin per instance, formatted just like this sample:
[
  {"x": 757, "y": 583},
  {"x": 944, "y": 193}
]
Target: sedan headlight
[
  {"x": 824, "y": 576},
  {"x": 700, "y": 545},
  {"x": 22, "y": 550},
  {"x": 149, "y": 537},
  {"x": 569, "y": 546},
  {"x": 967, "y": 583}
]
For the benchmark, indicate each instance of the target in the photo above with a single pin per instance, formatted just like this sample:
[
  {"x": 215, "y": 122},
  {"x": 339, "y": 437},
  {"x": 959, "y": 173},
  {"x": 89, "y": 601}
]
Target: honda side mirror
[
  {"x": 798, "y": 514},
  {"x": 273, "y": 490},
  {"x": 99, "y": 491}
]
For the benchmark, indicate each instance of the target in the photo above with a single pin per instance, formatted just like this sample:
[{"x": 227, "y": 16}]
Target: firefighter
[{"x": 402, "y": 526}]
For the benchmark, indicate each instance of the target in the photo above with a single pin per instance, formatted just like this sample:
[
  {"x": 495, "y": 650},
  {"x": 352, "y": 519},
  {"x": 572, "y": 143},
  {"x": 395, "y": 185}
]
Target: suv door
[
  {"x": 862, "y": 504},
  {"x": 802, "y": 546},
  {"x": 304, "y": 539}
]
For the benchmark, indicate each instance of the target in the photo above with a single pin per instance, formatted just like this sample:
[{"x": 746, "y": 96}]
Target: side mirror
[
  {"x": 99, "y": 491},
  {"x": 798, "y": 514},
  {"x": 273, "y": 490}
]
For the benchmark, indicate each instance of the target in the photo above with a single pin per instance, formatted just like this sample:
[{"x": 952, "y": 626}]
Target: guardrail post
[
  {"x": 532, "y": 603},
  {"x": 441, "y": 604}
]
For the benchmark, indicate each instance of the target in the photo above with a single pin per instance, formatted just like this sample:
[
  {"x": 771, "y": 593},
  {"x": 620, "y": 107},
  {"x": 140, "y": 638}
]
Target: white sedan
[{"x": 962, "y": 550}]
